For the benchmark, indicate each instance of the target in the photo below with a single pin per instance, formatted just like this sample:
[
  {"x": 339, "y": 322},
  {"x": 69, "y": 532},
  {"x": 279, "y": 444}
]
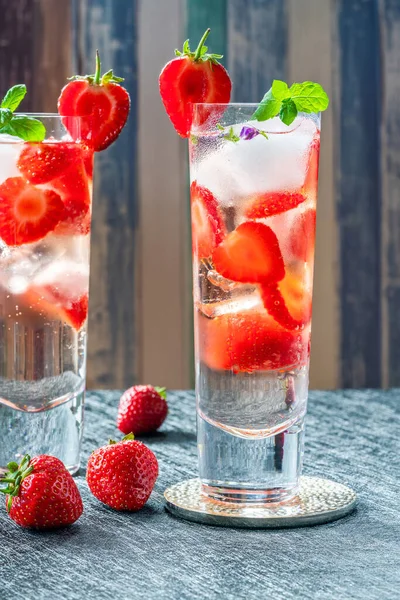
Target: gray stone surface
[{"x": 352, "y": 436}]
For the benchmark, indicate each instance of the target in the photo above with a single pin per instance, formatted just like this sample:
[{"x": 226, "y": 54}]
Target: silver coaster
[{"x": 319, "y": 501}]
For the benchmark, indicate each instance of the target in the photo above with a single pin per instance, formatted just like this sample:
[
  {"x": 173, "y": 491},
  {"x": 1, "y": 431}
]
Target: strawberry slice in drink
[
  {"x": 193, "y": 77},
  {"x": 290, "y": 301},
  {"x": 42, "y": 162},
  {"x": 249, "y": 340},
  {"x": 208, "y": 229},
  {"x": 49, "y": 302},
  {"x": 250, "y": 254},
  {"x": 310, "y": 186},
  {"x": 27, "y": 213},
  {"x": 272, "y": 203},
  {"x": 302, "y": 236}
]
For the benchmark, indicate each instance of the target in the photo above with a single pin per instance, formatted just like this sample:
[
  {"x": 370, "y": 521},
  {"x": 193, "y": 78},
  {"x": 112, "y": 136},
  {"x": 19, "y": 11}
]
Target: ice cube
[
  {"x": 248, "y": 167},
  {"x": 69, "y": 278},
  {"x": 249, "y": 299},
  {"x": 10, "y": 147}
]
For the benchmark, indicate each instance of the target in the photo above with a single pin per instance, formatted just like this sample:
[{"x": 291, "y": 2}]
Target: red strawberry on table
[
  {"x": 41, "y": 493},
  {"x": 208, "y": 229},
  {"x": 142, "y": 409},
  {"x": 272, "y": 203},
  {"x": 102, "y": 103},
  {"x": 122, "y": 474},
  {"x": 250, "y": 254},
  {"x": 42, "y": 162},
  {"x": 190, "y": 78},
  {"x": 27, "y": 213}
]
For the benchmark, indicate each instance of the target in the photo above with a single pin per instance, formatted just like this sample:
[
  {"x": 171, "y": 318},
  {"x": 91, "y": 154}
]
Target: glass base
[
  {"x": 318, "y": 501},
  {"x": 56, "y": 431},
  {"x": 250, "y": 470}
]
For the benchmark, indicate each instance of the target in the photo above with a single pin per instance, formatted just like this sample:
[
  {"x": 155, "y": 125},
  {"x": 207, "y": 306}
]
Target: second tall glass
[
  {"x": 253, "y": 199},
  {"x": 45, "y": 214}
]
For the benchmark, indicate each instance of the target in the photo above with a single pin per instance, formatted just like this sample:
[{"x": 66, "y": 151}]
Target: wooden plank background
[{"x": 140, "y": 304}]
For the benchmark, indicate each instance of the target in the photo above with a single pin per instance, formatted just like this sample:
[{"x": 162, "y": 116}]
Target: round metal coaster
[{"x": 319, "y": 501}]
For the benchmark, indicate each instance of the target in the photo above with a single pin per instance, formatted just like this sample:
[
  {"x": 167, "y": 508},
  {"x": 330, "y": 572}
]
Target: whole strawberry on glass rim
[
  {"x": 41, "y": 493},
  {"x": 253, "y": 189},
  {"x": 122, "y": 474},
  {"x": 46, "y": 187},
  {"x": 191, "y": 78}
]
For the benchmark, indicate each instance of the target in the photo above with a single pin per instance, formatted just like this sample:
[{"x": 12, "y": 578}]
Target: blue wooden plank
[
  {"x": 257, "y": 40},
  {"x": 390, "y": 26},
  {"x": 111, "y": 27},
  {"x": 359, "y": 211},
  {"x": 201, "y": 14}
]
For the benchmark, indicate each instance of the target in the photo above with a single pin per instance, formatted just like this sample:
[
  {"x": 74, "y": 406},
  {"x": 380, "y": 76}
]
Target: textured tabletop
[{"x": 352, "y": 436}]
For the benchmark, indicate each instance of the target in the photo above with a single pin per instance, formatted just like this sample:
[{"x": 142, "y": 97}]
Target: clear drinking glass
[
  {"x": 45, "y": 213},
  {"x": 253, "y": 201}
]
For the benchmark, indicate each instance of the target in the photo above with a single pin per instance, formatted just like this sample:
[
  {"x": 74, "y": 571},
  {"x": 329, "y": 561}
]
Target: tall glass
[
  {"x": 45, "y": 213},
  {"x": 253, "y": 200}
]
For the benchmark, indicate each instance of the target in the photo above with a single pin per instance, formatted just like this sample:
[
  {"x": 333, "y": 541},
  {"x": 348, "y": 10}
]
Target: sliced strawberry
[
  {"x": 42, "y": 162},
  {"x": 248, "y": 341},
  {"x": 250, "y": 254},
  {"x": 302, "y": 236},
  {"x": 208, "y": 229},
  {"x": 27, "y": 213},
  {"x": 191, "y": 78},
  {"x": 102, "y": 104},
  {"x": 74, "y": 190},
  {"x": 51, "y": 303},
  {"x": 311, "y": 180},
  {"x": 273, "y": 203},
  {"x": 289, "y": 302}
]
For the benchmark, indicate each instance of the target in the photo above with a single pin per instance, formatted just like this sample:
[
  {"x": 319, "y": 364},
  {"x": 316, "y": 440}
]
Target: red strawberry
[
  {"x": 142, "y": 409},
  {"x": 102, "y": 103},
  {"x": 42, "y": 162},
  {"x": 248, "y": 341},
  {"x": 302, "y": 236},
  {"x": 208, "y": 229},
  {"x": 53, "y": 304},
  {"x": 27, "y": 213},
  {"x": 41, "y": 493},
  {"x": 273, "y": 203},
  {"x": 122, "y": 475},
  {"x": 250, "y": 254},
  {"x": 311, "y": 181},
  {"x": 74, "y": 190},
  {"x": 190, "y": 78},
  {"x": 289, "y": 302}
]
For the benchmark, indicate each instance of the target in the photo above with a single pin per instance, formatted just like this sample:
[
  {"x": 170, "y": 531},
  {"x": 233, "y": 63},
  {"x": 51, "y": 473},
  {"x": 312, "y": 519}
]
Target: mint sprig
[
  {"x": 307, "y": 97},
  {"x": 26, "y": 128}
]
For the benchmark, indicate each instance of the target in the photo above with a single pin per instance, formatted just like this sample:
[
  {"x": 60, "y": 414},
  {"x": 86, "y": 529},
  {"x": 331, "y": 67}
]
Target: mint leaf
[
  {"x": 26, "y": 128},
  {"x": 309, "y": 97},
  {"x": 268, "y": 108},
  {"x": 288, "y": 111},
  {"x": 14, "y": 97},
  {"x": 5, "y": 116},
  {"x": 280, "y": 89}
]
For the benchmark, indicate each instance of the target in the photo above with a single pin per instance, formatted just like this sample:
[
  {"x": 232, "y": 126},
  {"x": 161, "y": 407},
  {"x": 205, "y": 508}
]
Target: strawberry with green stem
[
  {"x": 193, "y": 77},
  {"x": 101, "y": 102}
]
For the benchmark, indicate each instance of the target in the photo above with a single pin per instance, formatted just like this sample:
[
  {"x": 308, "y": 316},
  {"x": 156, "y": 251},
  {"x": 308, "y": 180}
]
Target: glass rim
[
  {"x": 48, "y": 115},
  {"x": 244, "y": 105}
]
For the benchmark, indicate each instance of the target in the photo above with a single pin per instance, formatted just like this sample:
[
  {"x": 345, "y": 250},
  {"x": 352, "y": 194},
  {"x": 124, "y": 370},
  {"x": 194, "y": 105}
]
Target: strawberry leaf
[
  {"x": 162, "y": 391},
  {"x": 288, "y": 111},
  {"x": 14, "y": 97},
  {"x": 309, "y": 97}
]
